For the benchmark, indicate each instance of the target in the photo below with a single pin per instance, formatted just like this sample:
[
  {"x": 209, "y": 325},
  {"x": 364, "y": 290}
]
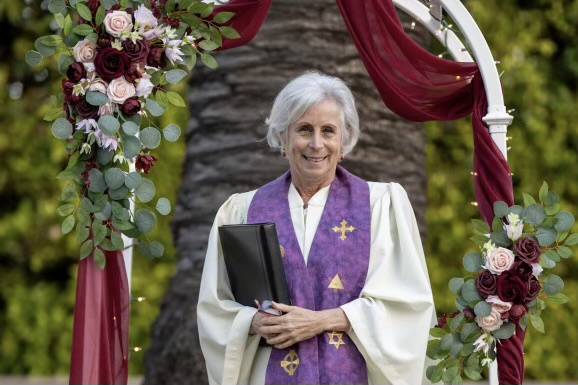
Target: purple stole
[{"x": 334, "y": 275}]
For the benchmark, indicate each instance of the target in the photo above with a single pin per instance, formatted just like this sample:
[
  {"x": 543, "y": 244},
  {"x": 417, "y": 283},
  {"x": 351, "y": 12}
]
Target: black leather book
[{"x": 253, "y": 259}]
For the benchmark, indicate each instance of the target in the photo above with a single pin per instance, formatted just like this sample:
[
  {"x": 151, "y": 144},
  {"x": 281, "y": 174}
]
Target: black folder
[{"x": 253, "y": 259}]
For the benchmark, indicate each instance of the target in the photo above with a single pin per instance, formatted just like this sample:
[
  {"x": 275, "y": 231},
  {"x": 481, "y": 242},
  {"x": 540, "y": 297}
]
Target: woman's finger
[
  {"x": 284, "y": 308},
  {"x": 275, "y": 329}
]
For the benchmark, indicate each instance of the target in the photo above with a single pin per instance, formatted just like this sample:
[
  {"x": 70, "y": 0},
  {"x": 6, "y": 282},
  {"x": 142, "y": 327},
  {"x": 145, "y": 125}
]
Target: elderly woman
[{"x": 361, "y": 299}]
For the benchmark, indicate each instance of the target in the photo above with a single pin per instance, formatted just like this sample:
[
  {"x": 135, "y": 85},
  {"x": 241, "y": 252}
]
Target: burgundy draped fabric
[
  {"x": 101, "y": 319},
  {"x": 249, "y": 17},
  {"x": 419, "y": 87},
  {"x": 101, "y": 316}
]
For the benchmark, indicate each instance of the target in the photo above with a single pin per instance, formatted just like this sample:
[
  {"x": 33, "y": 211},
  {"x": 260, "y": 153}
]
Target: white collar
[{"x": 318, "y": 199}]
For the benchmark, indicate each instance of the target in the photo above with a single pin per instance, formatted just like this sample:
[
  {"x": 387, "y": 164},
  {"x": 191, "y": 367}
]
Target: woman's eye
[{"x": 328, "y": 130}]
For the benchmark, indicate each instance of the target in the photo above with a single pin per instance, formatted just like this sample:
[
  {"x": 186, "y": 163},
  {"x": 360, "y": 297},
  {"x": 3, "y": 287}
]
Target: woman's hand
[
  {"x": 299, "y": 324},
  {"x": 257, "y": 325}
]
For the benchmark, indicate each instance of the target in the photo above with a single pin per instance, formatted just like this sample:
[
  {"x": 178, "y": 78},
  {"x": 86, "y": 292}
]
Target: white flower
[
  {"x": 170, "y": 33},
  {"x": 537, "y": 269},
  {"x": 154, "y": 33},
  {"x": 173, "y": 52},
  {"x": 188, "y": 39},
  {"x": 87, "y": 125},
  {"x": 488, "y": 247},
  {"x": 144, "y": 19},
  {"x": 119, "y": 158},
  {"x": 107, "y": 142},
  {"x": 498, "y": 304},
  {"x": 144, "y": 86},
  {"x": 84, "y": 51},
  {"x": 515, "y": 227},
  {"x": 499, "y": 260},
  {"x": 85, "y": 148},
  {"x": 89, "y": 67},
  {"x": 491, "y": 322},
  {"x": 486, "y": 361},
  {"x": 117, "y": 22},
  {"x": 107, "y": 109},
  {"x": 119, "y": 90},
  {"x": 483, "y": 343},
  {"x": 116, "y": 44},
  {"x": 98, "y": 85}
]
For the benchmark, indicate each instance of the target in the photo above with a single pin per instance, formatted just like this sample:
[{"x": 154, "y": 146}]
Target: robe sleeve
[
  {"x": 224, "y": 324},
  {"x": 390, "y": 321}
]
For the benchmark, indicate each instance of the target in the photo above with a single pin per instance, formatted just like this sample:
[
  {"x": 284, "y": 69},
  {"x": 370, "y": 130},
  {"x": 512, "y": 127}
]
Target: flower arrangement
[
  {"x": 118, "y": 59},
  {"x": 507, "y": 286}
]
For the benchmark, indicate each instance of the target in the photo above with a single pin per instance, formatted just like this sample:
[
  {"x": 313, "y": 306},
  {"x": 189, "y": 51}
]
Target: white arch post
[{"x": 497, "y": 117}]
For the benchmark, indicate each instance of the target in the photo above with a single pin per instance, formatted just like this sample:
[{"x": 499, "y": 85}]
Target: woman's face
[{"x": 314, "y": 142}]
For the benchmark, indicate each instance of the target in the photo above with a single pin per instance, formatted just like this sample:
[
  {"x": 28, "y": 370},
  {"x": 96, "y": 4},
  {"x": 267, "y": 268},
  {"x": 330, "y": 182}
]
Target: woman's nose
[{"x": 316, "y": 142}]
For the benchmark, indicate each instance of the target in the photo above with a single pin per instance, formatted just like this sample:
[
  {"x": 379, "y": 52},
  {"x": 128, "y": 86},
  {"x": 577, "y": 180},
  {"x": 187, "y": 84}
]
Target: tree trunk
[{"x": 224, "y": 154}]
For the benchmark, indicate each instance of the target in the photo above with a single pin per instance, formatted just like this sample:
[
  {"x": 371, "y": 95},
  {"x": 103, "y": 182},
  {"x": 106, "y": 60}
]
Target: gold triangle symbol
[{"x": 336, "y": 283}]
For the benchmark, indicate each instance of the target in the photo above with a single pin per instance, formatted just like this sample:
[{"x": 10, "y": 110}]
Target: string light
[
  {"x": 511, "y": 110},
  {"x": 138, "y": 299},
  {"x": 473, "y": 173},
  {"x": 511, "y": 174},
  {"x": 458, "y": 77},
  {"x": 412, "y": 25},
  {"x": 474, "y": 203},
  {"x": 508, "y": 138},
  {"x": 497, "y": 62},
  {"x": 136, "y": 349},
  {"x": 509, "y": 148}
]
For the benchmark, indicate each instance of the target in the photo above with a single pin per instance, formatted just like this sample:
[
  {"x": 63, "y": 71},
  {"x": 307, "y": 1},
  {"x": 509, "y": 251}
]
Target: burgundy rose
[
  {"x": 93, "y": 6},
  {"x": 486, "y": 283},
  {"x": 517, "y": 312},
  {"x": 442, "y": 321},
  {"x": 86, "y": 110},
  {"x": 110, "y": 63},
  {"x": 134, "y": 71},
  {"x": 157, "y": 57},
  {"x": 69, "y": 97},
  {"x": 136, "y": 51},
  {"x": 522, "y": 269},
  {"x": 76, "y": 72},
  {"x": 144, "y": 163},
  {"x": 534, "y": 288},
  {"x": 512, "y": 287},
  {"x": 528, "y": 250},
  {"x": 104, "y": 41},
  {"x": 130, "y": 106},
  {"x": 469, "y": 314}
]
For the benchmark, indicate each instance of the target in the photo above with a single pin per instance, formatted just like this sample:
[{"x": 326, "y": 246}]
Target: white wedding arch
[{"x": 497, "y": 117}]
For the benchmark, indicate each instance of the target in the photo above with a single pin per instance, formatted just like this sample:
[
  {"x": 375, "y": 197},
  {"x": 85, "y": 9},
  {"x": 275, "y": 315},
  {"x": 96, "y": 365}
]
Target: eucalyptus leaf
[
  {"x": 553, "y": 284},
  {"x": 86, "y": 249},
  {"x": 154, "y": 108},
  {"x": 564, "y": 222},
  {"x": 528, "y": 199},
  {"x": 545, "y": 237},
  {"x": 572, "y": 240},
  {"x": 62, "y": 128},
  {"x": 564, "y": 252},
  {"x": 455, "y": 284},
  {"x": 84, "y": 11},
  {"x": 558, "y": 298},
  {"x": 209, "y": 61},
  {"x": 543, "y": 193},
  {"x": 98, "y": 232},
  {"x": 33, "y": 58},
  {"x": 66, "y": 209},
  {"x": 109, "y": 124},
  {"x": 104, "y": 156},
  {"x": 120, "y": 193},
  {"x": 500, "y": 209},
  {"x": 130, "y": 128},
  {"x": 171, "y": 132},
  {"x": 96, "y": 179},
  {"x": 546, "y": 262},
  {"x": 150, "y": 137},
  {"x": 505, "y": 331},
  {"x": 537, "y": 323},
  {"x": 473, "y": 262},
  {"x": 82, "y": 233},
  {"x": 163, "y": 206},
  {"x": 146, "y": 191},
  {"x": 132, "y": 180},
  {"x": 132, "y": 146},
  {"x": 114, "y": 178},
  {"x": 534, "y": 214},
  {"x": 467, "y": 330},
  {"x": 99, "y": 258},
  {"x": 482, "y": 309},
  {"x": 223, "y": 17},
  {"x": 145, "y": 220},
  {"x": 57, "y": 6},
  {"x": 83, "y": 29},
  {"x": 175, "y": 99},
  {"x": 469, "y": 292},
  {"x": 175, "y": 75},
  {"x": 229, "y": 32},
  {"x": 96, "y": 98}
]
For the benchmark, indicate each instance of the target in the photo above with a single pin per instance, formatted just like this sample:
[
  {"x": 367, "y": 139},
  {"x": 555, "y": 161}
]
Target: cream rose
[
  {"x": 499, "y": 260},
  {"x": 98, "y": 85},
  {"x": 117, "y": 22},
  {"x": 498, "y": 304},
  {"x": 84, "y": 51},
  {"x": 119, "y": 90},
  {"x": 491, "y": 322},
  {"x": 144, "y": 86}
]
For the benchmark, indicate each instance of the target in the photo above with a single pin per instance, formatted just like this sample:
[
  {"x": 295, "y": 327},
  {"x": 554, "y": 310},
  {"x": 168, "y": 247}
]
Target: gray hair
[{"x": 303, "y": 92}]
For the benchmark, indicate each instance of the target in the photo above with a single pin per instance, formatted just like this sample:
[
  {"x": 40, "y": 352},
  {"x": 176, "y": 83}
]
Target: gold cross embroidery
[
  {"x": 335, "y": 339},
  {"x": 336, "y": 283},
  {"x": 343, "y": 229},
  {"x": 290, "y": 363}
]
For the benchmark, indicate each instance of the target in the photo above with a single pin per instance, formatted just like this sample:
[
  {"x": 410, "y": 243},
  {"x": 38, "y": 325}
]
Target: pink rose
[
  {"x": 119, "y": 90},
  {"x": 491, "y": 322},
  {"x": 499, "y": 260},
  {"x": 84, "y": 51},
  {"x": 498, "y": 304},
  {"x": 117, "y": 22}
]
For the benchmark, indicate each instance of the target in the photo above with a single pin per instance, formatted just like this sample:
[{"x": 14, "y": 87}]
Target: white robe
[{"x": 390, "y": 320}]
